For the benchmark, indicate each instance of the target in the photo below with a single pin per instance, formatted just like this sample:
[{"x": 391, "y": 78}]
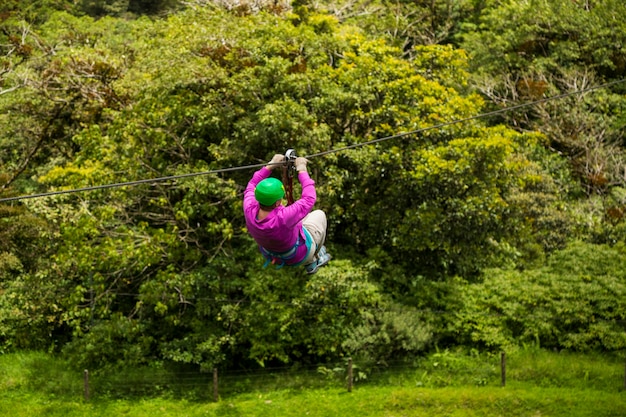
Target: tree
[
  {"x": 526, "y": 51},
  {"x": 166, "y": 270},
  {"x": 574, "y": 301},
  {"x": 100, "y": 8},
  {"x": 406, "y": 24}
]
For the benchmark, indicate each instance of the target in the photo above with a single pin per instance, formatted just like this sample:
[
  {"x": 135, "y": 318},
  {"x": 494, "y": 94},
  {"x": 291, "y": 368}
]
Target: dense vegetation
[{"x": 490, "y": 233}]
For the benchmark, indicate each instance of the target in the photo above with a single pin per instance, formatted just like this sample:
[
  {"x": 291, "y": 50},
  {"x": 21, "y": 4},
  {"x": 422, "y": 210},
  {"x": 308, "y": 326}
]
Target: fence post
[
  {"x": 215, "y": 390},
  {"x": 503, "y": 367},
  {"x": 86, "y": 385},
  {"x": 350, "y": 378}
]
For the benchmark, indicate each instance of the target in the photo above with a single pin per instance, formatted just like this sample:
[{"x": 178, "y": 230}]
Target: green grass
[{"x": 539, "y": 384}]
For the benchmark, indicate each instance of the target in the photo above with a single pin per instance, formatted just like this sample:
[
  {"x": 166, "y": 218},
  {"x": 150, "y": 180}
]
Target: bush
[{"x": 576, "y": 301}]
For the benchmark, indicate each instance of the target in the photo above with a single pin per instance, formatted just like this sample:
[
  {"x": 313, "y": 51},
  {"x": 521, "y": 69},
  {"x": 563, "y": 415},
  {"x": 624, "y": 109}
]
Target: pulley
[{"x": 289, "y": 171}]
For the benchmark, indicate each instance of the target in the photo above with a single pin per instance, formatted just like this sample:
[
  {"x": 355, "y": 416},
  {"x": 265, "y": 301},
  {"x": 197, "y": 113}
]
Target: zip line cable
[
  {"x": 130, "y": 183},
  {"x": 400, "y": 135},
  {"x": 478, "y": 116},
  {"x": 371, "y": 142}
]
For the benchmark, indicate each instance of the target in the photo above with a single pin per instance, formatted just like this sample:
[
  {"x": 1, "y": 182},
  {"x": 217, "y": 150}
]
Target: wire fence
[{"x": 433, "y": 372}]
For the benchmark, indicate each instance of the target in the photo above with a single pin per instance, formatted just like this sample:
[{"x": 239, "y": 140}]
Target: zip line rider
[{"x": 290, "y": 235}]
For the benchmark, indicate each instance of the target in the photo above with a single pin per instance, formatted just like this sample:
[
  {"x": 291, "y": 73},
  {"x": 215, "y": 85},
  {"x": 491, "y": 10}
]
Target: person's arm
[
  {"x": 260, "y": 175},
  {"x": 308, "y": 185},
  {"x": 257, "y": 177},
  {"x": 295, "y": 212},
  {"x": 309, "y": 193}
]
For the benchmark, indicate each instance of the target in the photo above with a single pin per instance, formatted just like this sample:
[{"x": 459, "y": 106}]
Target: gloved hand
[
  {"x": 276, "y": 162},
  {"x": 301, "y": 163}
]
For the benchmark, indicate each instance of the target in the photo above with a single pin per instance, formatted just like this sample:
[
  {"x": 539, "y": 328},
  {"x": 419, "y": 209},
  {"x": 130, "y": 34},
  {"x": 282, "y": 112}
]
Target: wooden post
[
  {"x": 503, "y": 368},
  {"x": 86, "y": 385},
  {"x": 350, "y": 378},
  {"x": 215, "y": 390}
]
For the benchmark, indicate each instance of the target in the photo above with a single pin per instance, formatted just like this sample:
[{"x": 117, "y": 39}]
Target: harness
[{"x": 281, "y": 258}]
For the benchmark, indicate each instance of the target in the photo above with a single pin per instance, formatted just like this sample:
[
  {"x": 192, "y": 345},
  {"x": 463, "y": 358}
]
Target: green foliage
[
  {"x": 540, "y": 35},
  {"x": 452, "y": 198},
  {"x": 524, "y": 51},
  {"x": 33, "y": 11},
  {"x": 165, "y": 271},
  {"x": 117, "y": 342},
  {"x": 25, "y": 242},
  {"x": 388, "y": 334},
  {"x": 122, "y": 8},
  {"x": 22, "y": 238},
  {"x": 406, "y": 24},
  {"x": 314, "y": 322},
  {"x": 143, "y": 261},
  {"x": 574, "y": 302}
]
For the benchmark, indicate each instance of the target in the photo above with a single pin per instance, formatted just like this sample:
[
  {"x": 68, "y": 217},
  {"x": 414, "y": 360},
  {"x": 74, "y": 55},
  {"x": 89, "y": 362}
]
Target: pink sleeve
[
  {"x": 294, "y": 213},
  {"x": 248, "y": 194}
]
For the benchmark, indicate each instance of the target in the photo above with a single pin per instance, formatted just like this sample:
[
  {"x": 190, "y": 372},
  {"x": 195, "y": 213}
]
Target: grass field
[{"x": 539, "y": 384}]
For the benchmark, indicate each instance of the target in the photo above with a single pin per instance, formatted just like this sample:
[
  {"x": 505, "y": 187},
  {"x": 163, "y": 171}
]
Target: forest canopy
[{"x": 442, "y": 222}]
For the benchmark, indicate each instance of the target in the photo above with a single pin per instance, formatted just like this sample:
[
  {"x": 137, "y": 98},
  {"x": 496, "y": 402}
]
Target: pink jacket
[{"x": 279, "y": 231}]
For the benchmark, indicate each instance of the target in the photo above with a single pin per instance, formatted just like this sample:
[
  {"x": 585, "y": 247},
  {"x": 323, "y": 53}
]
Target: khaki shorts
[{"x": 315, "y": 223}]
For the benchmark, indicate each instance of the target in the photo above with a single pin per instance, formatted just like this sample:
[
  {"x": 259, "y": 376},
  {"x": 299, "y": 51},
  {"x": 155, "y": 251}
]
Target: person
[{"x": 290, "y": 235}]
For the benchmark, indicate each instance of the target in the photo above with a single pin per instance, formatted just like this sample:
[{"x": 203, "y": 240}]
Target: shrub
[{"x": 575, "y": 301}]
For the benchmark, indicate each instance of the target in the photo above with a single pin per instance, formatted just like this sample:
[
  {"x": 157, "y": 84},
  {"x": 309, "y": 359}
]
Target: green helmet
[{"x": 269, "y": 191}]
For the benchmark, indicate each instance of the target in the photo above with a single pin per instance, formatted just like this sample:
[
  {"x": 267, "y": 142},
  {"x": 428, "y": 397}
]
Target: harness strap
[{"x": 283, "y": 257}]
